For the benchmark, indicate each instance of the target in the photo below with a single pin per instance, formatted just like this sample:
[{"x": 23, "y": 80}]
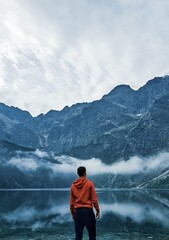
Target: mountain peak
[
  {"x": 119, "y": 89},
  {"x": 122, "y": 86},
  {"x": 157, "y": 80},
  {"x": 15, "y": 113}
]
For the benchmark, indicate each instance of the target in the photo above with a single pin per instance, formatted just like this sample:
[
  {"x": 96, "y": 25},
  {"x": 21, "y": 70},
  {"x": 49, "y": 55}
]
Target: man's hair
[{"x": 81, "y": 170}]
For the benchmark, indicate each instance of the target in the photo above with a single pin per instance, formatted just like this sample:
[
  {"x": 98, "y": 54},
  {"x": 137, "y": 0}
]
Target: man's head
[{"x": 81, "y": 171}]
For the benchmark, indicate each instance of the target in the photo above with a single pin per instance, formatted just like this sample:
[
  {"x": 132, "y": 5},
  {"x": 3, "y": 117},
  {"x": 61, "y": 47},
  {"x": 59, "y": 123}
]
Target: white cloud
[
  {"x": 56, "y": 53},
  {"x": 24, "y": 163},
  {"x": 41, "y": 154},
  {"x": 94, "y": 166}
]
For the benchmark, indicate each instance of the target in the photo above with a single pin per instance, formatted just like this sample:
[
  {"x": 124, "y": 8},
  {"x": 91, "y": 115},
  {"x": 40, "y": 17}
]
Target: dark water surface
[{"x": 44, "y": 214}]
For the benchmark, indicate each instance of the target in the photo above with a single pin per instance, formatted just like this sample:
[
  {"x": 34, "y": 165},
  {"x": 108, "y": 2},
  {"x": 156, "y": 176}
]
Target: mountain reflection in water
[{"x": 44, "y": 214}]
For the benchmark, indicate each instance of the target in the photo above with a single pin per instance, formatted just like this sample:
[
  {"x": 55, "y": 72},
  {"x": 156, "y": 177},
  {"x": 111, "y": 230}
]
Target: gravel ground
[{"x": 103, "y": 236}]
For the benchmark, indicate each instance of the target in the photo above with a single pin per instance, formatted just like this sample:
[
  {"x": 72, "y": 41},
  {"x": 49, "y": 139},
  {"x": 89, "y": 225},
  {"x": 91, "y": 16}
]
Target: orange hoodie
[{"x": 82, "y": 194}]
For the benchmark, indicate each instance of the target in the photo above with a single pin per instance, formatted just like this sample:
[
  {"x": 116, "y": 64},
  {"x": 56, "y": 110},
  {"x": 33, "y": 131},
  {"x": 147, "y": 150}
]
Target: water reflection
[
  {"x": 37, "y": 209},
  {"x": 138, "y": 211}
]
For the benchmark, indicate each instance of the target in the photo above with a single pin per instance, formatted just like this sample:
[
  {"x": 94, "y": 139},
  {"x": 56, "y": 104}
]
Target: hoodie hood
[{"x": 80, "y": 182}]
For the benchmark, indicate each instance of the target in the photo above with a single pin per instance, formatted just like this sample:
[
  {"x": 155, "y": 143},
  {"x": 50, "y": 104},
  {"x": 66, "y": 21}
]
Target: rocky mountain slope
[
  {"x": 123, "y": 124},
  {"x": 93, "y": 129}
]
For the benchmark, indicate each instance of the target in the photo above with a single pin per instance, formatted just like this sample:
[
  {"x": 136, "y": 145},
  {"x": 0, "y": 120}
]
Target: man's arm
[
  {"x": 95, "y": 201},
  {"x": 72, "y": 201}
]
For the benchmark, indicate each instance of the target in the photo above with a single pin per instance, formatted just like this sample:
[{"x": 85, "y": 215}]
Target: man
[{"x": 82, "y": 200}]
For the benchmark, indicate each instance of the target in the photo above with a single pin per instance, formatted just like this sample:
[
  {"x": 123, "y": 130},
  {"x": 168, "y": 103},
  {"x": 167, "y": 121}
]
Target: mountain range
[{"x": 123, "y": 124}]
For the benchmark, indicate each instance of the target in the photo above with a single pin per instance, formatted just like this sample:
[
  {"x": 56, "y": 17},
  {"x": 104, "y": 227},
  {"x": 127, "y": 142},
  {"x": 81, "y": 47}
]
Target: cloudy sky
[{"x": 55, "y": 53}]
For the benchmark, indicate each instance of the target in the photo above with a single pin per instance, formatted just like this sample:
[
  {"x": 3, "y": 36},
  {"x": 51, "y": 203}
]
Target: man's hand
[{"x": 97, "y": 215}]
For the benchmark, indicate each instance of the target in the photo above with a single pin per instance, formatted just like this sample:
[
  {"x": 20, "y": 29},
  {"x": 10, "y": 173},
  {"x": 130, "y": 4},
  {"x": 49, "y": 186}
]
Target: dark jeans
[{"x": 84, "y": 217}]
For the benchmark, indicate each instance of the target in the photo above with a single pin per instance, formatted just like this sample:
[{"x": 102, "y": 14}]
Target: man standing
[{"x": 82, "y": 200}]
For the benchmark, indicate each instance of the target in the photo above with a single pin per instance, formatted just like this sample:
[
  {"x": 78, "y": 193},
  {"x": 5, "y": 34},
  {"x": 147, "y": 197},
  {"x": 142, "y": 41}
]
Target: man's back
[
  {"x": 82, "y": 200},
  {"x": 83, "y": 194}
]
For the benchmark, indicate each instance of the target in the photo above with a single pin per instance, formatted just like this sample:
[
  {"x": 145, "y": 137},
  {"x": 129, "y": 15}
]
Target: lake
[{"x": 44, "y": 214}]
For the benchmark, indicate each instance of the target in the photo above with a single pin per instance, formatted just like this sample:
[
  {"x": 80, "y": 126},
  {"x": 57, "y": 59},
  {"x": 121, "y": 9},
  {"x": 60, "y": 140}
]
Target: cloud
[
  {"x": 94, "y": 166},
  {"x": 41, "y": 154},
  {"x": 52, "y": 55},
  {"x": 24, "y": 163}
]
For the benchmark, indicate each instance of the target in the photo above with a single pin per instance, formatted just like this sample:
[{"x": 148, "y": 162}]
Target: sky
[{"x": 55, "y": 53}]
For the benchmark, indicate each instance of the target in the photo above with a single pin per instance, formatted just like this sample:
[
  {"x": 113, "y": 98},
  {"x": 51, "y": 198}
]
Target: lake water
[{"x": 44, "y": 214}]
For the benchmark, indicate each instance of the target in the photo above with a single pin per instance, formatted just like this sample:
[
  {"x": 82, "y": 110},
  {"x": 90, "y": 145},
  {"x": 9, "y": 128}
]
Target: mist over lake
[{"x": 44, "y": 214}]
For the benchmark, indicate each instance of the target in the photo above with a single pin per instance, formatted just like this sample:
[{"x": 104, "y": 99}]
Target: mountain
[
  {"x": 16, "y": 126},
  {"x": 104, "y": 128},
  {"x": 122, "y": 124},
  {"x": 151, "y": 135},
  {"x": 107, "y": 128}
]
